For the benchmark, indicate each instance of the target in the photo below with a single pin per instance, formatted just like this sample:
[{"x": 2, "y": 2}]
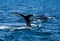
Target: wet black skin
[
  {"x": 27, "y": 18},
  {"x": 43, "y": 17}
]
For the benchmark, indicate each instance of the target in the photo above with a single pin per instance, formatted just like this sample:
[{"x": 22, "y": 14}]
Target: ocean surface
[{"x": 10, "y": 24}]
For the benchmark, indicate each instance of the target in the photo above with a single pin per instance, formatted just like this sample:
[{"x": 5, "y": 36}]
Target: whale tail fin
[
  {"x": 30, "y": 15},
  {"x": 27, "y": 18},
  {"x": 18, "y": 14}
]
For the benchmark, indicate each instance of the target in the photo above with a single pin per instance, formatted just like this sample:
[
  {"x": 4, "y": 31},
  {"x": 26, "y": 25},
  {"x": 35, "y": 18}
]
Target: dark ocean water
[{"x": 48, "y": 30}]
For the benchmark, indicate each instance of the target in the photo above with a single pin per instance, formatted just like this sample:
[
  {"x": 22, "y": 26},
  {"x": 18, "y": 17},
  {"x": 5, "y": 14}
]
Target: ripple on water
[{"x": 42, "y": 33}]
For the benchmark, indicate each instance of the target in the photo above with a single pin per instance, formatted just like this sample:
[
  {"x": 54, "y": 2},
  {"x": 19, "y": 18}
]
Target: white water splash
[
  {"x": 21, "y": 26},
  {"x": 4, "y": 27}
]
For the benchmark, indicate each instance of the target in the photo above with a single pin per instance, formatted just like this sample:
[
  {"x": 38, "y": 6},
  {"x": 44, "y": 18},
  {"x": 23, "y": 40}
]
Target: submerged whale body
[
  {"x": 27, "y": 18},
  {"x": 43, "y": 17}
]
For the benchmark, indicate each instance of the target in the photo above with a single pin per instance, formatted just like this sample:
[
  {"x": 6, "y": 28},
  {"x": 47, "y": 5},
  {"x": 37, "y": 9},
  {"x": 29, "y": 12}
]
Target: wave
[{"x": 20, "y": 26}]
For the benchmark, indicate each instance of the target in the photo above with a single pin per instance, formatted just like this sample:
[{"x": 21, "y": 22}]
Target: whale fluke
[
  {"x": 27, "y": 18},
  {"x": 18, "y": 14}
]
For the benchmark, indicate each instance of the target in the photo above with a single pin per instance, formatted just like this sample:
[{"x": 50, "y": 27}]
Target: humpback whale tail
[{"x": 27, "y": 18}]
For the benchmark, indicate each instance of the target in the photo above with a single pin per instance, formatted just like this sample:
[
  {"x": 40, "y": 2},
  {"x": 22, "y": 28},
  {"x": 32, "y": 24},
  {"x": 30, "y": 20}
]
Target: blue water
[{"x": 49, "y": 30}]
